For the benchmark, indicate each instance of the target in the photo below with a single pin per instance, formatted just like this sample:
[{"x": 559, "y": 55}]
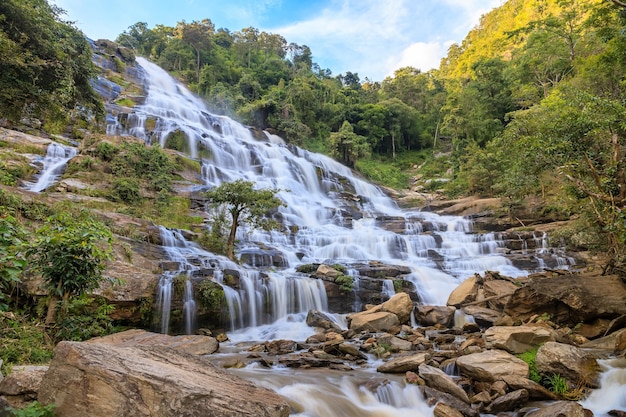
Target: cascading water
[
  {"x": 330, "y": 216},
  {"x": 53, "y": 165}
]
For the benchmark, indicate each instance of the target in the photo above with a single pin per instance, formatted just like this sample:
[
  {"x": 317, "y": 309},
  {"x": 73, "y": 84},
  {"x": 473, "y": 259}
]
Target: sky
[{"x": 371, "y": 38}]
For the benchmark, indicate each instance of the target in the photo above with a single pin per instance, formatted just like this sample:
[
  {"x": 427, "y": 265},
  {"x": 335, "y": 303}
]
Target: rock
[
  {"x": 496, "y": 290},
  {"x": 517, "y": 339},
  {"x": 280, "y": 347},
  {"x": 404, "y": 363},
  {"x": 439, "y": 380},
  {"x": 574, "y": 364},
  {"x": 569, "y": 299},
  {"x": 395, "y": 343},
  {"x": 434, "y": 397},
  {"x": 401, "y": 305},
  {"x": 466, "y": 292},
  {"x": 316, "y": 318},
  {"x": 373, "y": 322},
  {"x": 107, "y": 380},
  {"x": 326, "y": 271},
  {"x": 413, "y": 378},
  {"x": 192, "y": 344},
  {"x": 535, "y": 390},
  {"x": 483, "y": 316},
  {"x": 615, "y": 342},
  {"x": 22, "y": 384},
  {"x": 444, "y": 410},
  {"x": 508, "y": 402},
  {"x": 491, "y": 365},
  {"x": 559, "y": 409},
  {"x": 434, "y": 315}
]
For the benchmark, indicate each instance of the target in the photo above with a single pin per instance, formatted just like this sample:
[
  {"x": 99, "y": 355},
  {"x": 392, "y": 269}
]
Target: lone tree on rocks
[{"x": 245, "y": 205}]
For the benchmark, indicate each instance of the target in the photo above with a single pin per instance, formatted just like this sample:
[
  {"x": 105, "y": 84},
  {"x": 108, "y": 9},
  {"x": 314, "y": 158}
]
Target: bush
[
  {"x": 346, "y": 282},
  {"x": 34, "y": 409},
  {"x": 126, "y": 190}
]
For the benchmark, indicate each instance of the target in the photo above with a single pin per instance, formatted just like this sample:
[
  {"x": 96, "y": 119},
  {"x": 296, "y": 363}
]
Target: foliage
[
  {"x": 530, "y": 358},
  {"x": 557, "y": 384},
  {"x": 345, "y": 282},
  {"x": 46, "y": 65},
  {"x": 307, "y": 268},
  {"x": 211, "y": 295},
  {"x": 34, "y": 409},
  {"x": 23, "y": 341},
  {"x": 245, "y": 205},
  {"x": 83, "y": 318},
  {"x": 126, "y": 190},
  {"x": 70, "y": 251},
  {"x": 12, "y": 260}
]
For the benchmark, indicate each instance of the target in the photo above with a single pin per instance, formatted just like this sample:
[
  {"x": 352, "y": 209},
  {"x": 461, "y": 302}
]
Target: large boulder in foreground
[
  {"x": 107, "y": 380},
  {"x": 491, "y": 365}
]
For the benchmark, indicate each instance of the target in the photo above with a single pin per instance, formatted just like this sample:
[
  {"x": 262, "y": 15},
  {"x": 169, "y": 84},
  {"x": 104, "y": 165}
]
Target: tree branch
[{"x": 619, "y": 3}]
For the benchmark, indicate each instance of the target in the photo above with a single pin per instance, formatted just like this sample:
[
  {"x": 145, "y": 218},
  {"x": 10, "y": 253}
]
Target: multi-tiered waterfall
[{"x": 330, "y": 216}]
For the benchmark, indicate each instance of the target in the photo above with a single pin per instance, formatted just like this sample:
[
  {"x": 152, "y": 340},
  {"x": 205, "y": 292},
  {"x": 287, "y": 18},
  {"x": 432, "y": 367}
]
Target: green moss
[
  {"x": 210, "y": 295},
  {"x": 346, "y": 283}
]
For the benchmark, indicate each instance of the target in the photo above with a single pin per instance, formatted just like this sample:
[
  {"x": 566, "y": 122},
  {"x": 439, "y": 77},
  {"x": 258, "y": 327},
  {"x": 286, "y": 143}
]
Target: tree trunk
[
  {"x": 230, "y": 245},
  {"x": 51, "y": 315}
]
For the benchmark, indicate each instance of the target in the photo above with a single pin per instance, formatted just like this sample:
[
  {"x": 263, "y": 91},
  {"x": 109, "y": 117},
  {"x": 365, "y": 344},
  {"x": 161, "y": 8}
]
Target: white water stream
[
  {"x": 331, "y": 216},
  {"x": 53, "y": 165}
]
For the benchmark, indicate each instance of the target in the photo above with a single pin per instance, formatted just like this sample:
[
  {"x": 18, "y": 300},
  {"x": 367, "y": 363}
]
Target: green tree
[
  {"x": 70, "y": 252},
  {"x": 347, "y": 146},
  {"x": 46, "y": 66},
  {"x": 12, "y": 261},
  {"x": 246, "y": 205}
]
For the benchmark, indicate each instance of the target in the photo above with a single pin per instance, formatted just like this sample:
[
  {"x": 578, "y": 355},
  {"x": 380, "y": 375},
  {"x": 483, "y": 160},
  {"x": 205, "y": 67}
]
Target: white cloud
[{"x": 373, "y": 38}]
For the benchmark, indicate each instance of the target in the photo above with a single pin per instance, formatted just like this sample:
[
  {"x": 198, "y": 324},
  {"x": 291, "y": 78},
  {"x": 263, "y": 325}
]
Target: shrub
[
  {"x": 346, "y": 282},
  {"x": 126, "y": 190}
]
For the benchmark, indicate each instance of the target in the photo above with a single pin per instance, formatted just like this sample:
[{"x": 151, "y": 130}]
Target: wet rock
[
  {"x": 560, "y": 409},
  {"x": 401, "y": 305},
  {"x": 508, "y": 402},
  {"x": 437, "y": 379},
  {"x": 100, "y": 379},
  {"x": 569, "y": 298},
  {"x": 311, "y": 360},
  {"x": 395, "y": 343},
  {"x": 403, "y": 364},
  {"x": 281, "y": 347},
  {"x": 517, "y": 339},
  {"x": 434, "y": 397},
  {"x": 316, "y": 318},
  {"x": 491, "y": 365},
  {"x": 444, "y": 410},
  {"x": 535, "y": 390},
  {"x": 572, "y": 363},
  {"x": 483, "y": 316},
  {"x": 373, "y": 322},
  {"x": 434, "y": 315},
  {"x": 466, "y": 292}
]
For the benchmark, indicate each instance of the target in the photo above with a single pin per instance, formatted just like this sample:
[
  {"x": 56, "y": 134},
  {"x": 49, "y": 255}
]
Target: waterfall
[
  {"x": 53, "y": 165},
  {"x": 330, "y": 215}
]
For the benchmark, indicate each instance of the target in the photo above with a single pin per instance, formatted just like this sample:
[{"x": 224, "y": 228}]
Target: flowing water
[
  {"x": 331, "y": 216},
  {"x": 53, "y": 165}
]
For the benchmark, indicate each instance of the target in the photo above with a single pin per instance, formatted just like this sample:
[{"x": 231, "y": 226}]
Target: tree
[
  {"x": 70, "y": 251},
  {"x": 245, "y": 205},
  {"x": 12, "y": 262},
  {"x": 347, "y": 146}
]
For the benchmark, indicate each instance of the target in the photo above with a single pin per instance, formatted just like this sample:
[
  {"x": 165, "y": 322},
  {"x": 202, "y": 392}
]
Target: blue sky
[{"x": 369, "y": 37}]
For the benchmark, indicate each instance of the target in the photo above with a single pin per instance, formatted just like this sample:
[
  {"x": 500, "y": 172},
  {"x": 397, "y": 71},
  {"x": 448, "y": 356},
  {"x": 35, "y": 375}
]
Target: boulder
[
  {"x": 569, "y": 299},
  {"x": 192, "y": 344},
  {"x": 444, "y": 410},
  {"x": 491, "y": 365},
  {"x": 508, "y": 402},
  {"x": 574, "y": 364},
  {"x": 439, "y": 380},
  {"x": 316, "y": 318},
  {"x": 483, "y": 316},
  {"x": 498, "y": 292},
  {"x": 615, "y": 342},
  {"x": 535, "y": 390},
  {"x": 434, "y": 315},
  {"x": 403, "y": 364},
  {"x": 560, "y": 409},
  {"x": 380, "y": 321},
  {"x": 517, "y": 339},
  {"x": 466, "y": 292},
  {"x": 395, "y": 343},
  {"x": 21, "y": 385},
  {"x": 103, "y": 379},
  {"x": 401, "y": 305}
]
